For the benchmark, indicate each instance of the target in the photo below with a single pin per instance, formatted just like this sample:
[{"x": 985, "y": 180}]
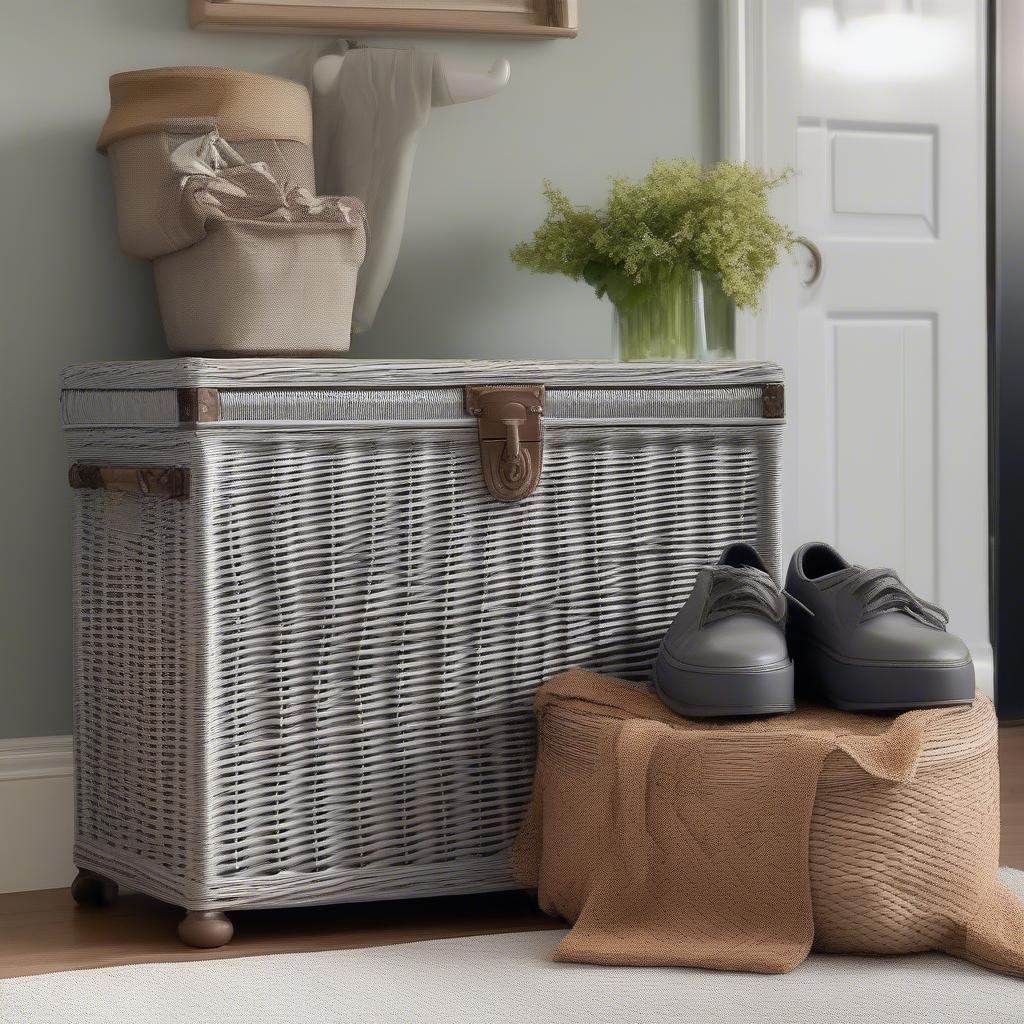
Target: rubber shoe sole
[
  {"x": 699, "y": 693},
  {"x": 849, "y": 685}
]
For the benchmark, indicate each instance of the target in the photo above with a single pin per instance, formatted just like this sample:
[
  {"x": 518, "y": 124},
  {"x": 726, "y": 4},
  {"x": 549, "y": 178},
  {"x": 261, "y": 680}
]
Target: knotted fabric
[{"x": 217, "y": 183}]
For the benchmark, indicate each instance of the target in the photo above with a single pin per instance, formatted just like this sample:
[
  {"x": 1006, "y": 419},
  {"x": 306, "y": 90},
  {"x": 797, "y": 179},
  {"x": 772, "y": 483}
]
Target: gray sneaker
[
  {"x": 862, "y": 641},
  {"x": 725, "y": 653}
]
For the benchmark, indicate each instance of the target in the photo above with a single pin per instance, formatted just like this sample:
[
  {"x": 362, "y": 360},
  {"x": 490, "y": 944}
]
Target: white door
[{"x": 879, "y": 107}]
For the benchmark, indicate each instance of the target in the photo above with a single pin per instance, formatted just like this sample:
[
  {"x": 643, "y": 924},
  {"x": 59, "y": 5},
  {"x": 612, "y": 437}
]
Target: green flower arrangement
[{"x": 680, "y": 217}]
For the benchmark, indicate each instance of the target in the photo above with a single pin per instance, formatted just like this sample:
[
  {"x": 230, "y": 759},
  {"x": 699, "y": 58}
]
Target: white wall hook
[
  {"x": 448, "y": 85},
  {"x": 453, "y": 86}
]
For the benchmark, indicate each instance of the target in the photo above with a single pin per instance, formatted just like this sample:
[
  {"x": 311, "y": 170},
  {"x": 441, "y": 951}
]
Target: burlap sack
[{"x": 740, "y": 844}]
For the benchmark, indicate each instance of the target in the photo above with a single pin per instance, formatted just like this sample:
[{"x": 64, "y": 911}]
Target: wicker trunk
[{"x": 313, "y": 600}]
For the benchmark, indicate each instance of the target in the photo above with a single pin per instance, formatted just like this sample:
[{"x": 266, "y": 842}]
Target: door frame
[
  {"x": 743, "y": 118},
  {"x": 1006, "y": 353},
  {"x": 746, "y": 31}
]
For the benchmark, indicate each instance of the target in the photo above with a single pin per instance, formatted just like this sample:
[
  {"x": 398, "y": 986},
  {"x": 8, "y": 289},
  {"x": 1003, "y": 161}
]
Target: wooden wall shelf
[{"x": 523, "y": 18}]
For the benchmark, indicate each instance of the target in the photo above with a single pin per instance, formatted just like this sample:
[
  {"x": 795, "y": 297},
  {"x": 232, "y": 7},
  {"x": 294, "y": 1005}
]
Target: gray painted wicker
[{"x": 311, "y": 681}]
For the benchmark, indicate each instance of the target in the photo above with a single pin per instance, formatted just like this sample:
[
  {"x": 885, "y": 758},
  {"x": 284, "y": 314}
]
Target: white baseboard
[
  {"x": 36, "y": 813},
  {"x": 984, "y": 668}
]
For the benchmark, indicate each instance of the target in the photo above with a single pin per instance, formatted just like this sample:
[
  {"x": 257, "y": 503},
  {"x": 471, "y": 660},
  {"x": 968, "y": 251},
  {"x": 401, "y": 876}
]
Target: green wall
[{"x": 641, "y": 81}]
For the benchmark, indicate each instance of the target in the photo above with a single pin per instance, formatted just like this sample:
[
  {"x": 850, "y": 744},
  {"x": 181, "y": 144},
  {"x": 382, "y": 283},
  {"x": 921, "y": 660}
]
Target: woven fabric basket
[
  {"x": 152, "y": 218},
  {"x": 313, "y": 600},
  {"x": 262, "y": 288},
  {"x": 154, "y": 111},
  {"x": 270, "y": 273}
]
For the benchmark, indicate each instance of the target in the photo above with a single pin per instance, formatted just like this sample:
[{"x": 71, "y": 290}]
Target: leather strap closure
[{"x": 511, "y": 437}]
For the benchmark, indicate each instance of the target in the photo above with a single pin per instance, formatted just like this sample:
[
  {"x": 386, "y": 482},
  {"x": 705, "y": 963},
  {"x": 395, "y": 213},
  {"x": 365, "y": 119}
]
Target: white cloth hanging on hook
[
  {"x": 365, "y": 129},
  {"x": 369, "y": 106}
]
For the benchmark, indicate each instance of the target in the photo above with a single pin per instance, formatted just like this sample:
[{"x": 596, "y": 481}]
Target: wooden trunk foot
[
  {"x": 92, "y": 890},
  {"x": 206, "y": 929}
]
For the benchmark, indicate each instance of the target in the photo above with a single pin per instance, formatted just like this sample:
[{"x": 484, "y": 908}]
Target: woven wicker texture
[
  {"x": 323, "y": 688},
  {"x": 245, "y": 106},
  {"x": 135, "y": 407},
  {"x": 132, "y": 728},
  {"x": 415, "y": 373},
  {"x": 735, "y": 845}
]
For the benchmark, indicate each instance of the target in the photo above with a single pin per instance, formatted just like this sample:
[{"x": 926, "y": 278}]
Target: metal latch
[{"x": 511, "y": 437}]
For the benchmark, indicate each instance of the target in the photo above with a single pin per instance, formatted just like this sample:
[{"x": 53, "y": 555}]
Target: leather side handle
[{"x": 164, "y": 482}]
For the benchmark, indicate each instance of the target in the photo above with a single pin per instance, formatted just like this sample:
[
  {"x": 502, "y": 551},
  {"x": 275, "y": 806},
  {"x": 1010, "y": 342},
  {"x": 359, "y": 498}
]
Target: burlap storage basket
[
  {"x": 152, "y": 112},
  {"x": 262, "y": 288},
  {"x": 905, "y": 868},
  {"x": 894, "y": 866}
]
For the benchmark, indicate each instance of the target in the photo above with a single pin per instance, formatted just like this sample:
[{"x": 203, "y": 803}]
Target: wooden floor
[
  {"x": 1011, "y": 774},
  {"x": 44, "y": 931}
]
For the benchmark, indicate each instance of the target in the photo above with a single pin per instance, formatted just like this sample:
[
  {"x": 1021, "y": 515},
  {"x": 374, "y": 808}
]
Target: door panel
[
  {"x": 867, "y": 180},
  {"x": 883, "y": 173},
  {"x": 885, "y": 445}
]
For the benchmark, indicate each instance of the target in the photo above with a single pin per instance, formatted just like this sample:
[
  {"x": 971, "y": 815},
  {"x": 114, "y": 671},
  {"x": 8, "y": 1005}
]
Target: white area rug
[{"x": 510, "y": 978}]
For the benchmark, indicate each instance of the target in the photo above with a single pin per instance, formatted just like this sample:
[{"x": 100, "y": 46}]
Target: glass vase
[{"x": 687, "y": 317}]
